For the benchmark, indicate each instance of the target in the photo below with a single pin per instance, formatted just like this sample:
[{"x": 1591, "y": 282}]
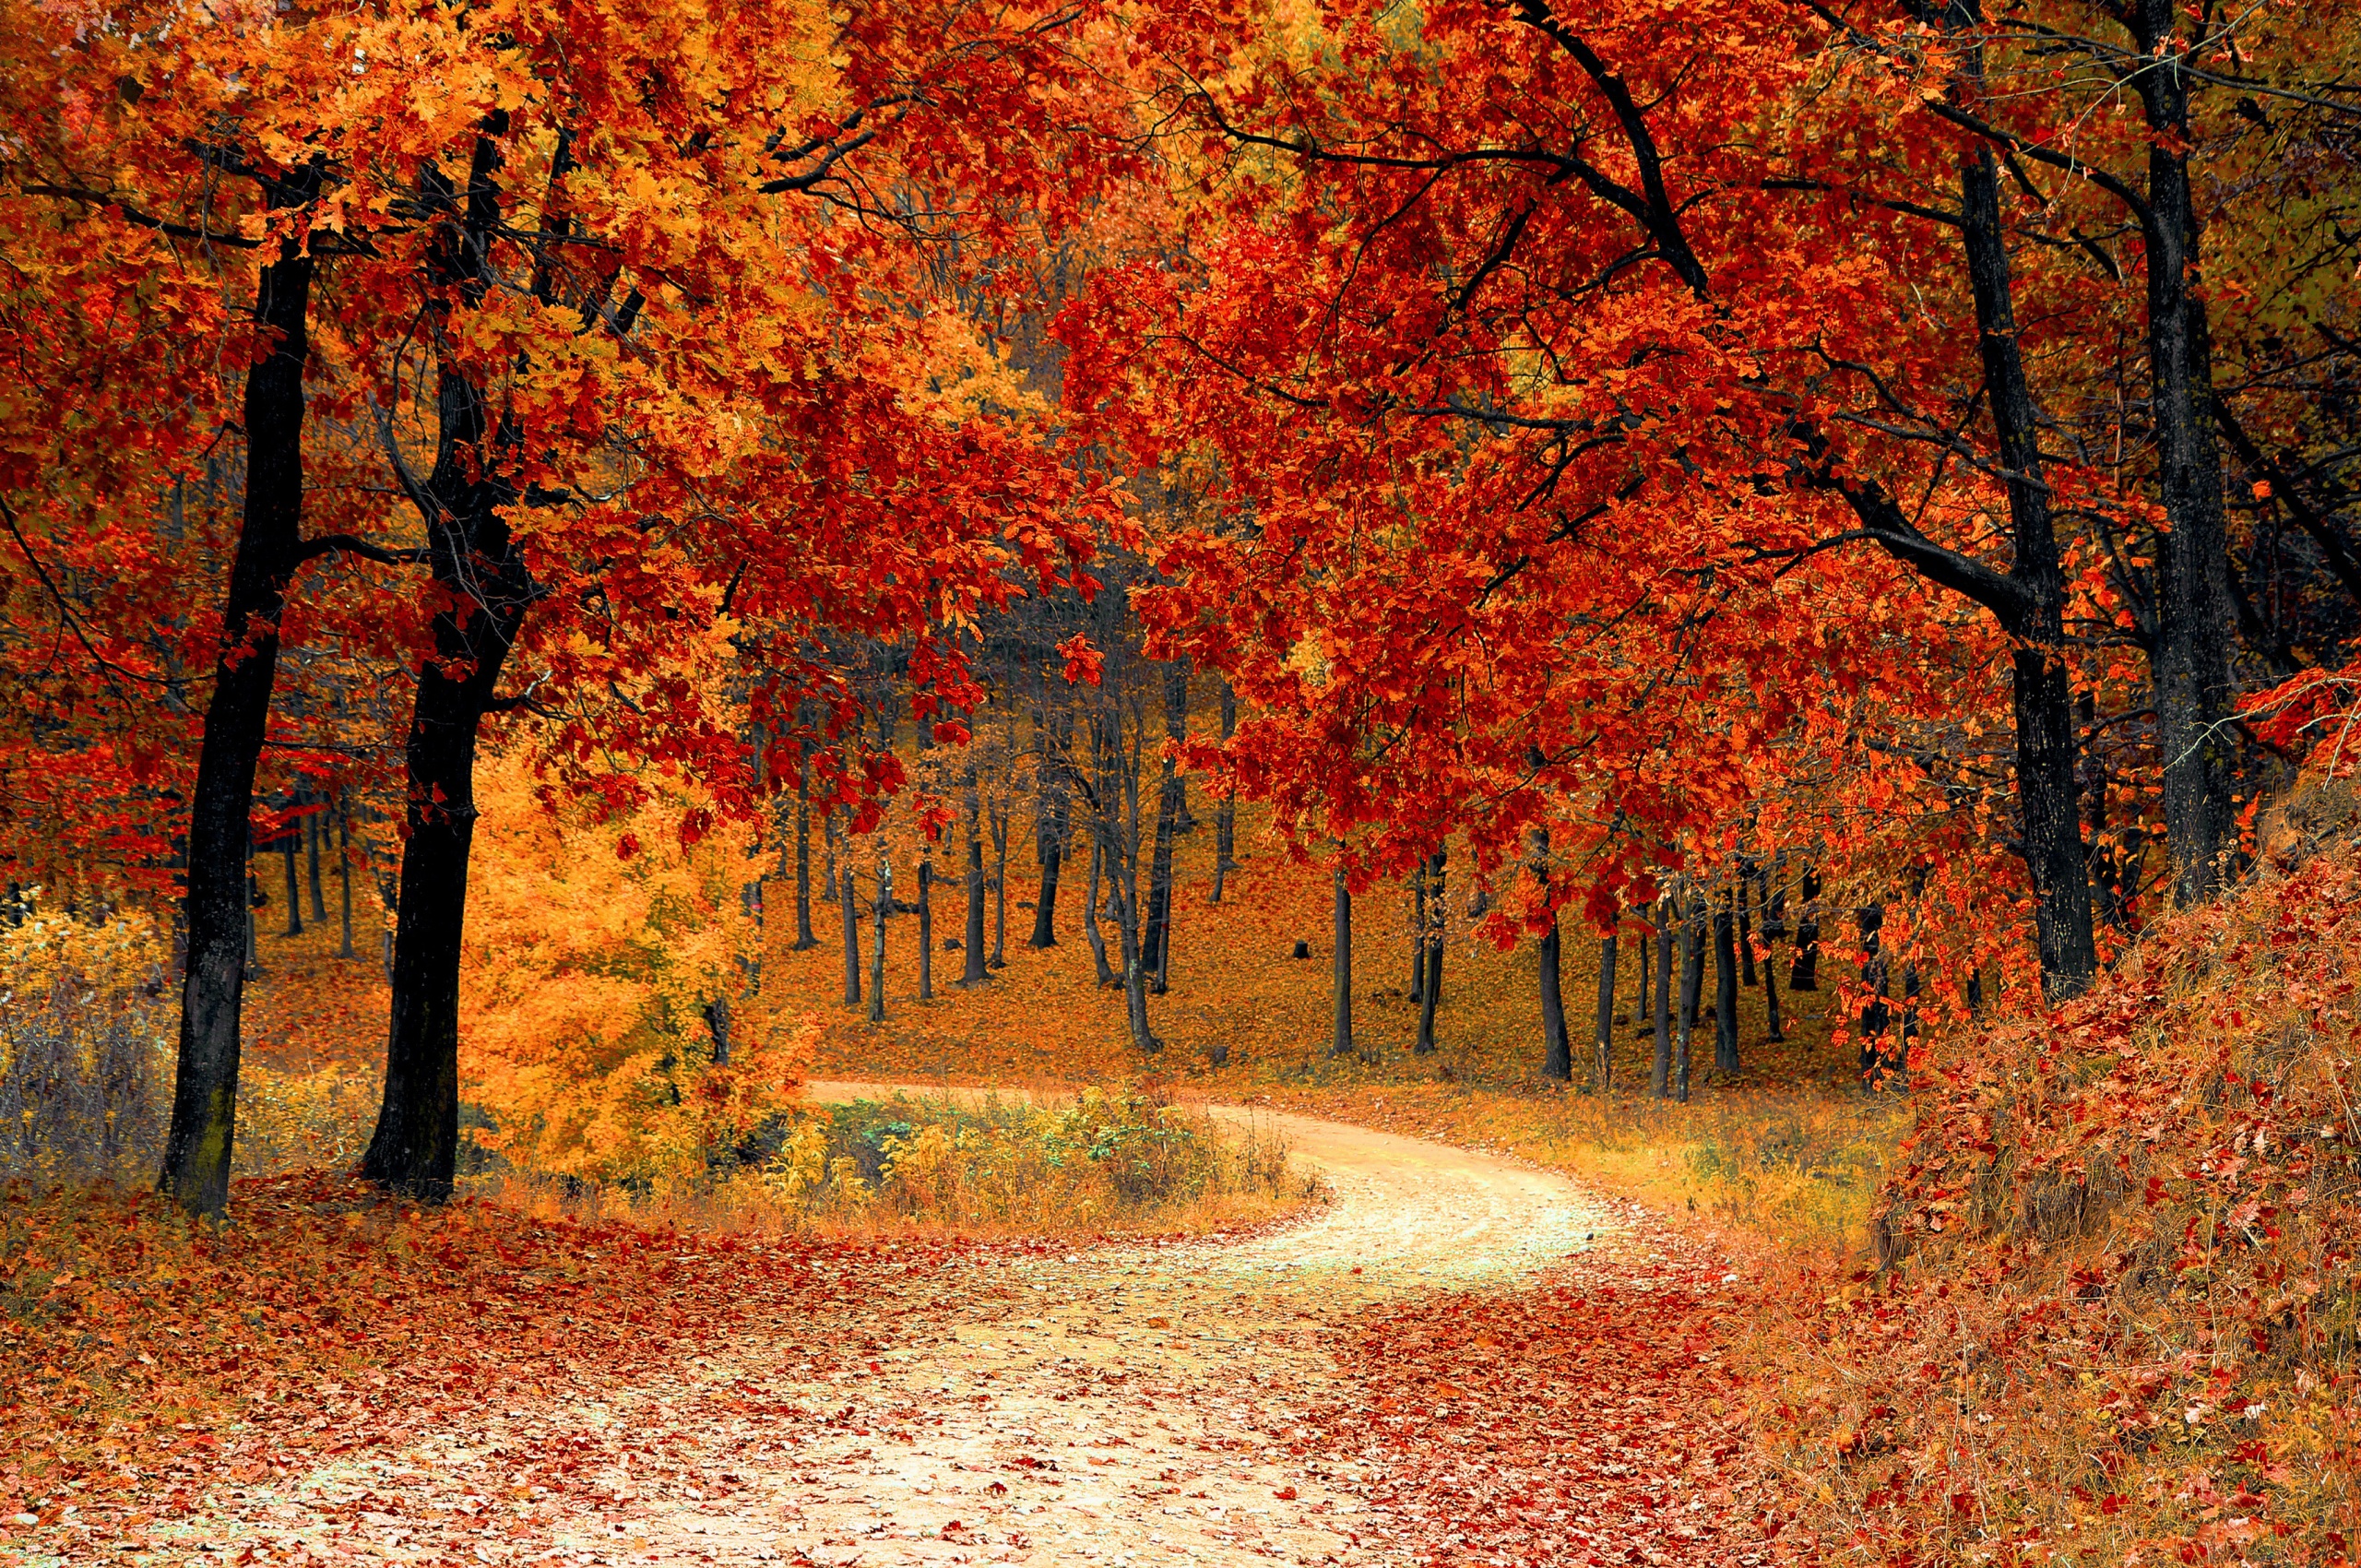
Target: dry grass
[{"x": 1088, "y": 1165}]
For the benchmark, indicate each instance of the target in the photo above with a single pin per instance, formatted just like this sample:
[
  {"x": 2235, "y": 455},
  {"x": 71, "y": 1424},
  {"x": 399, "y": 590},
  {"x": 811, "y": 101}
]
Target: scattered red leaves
[
  {"x": 1593, "y": 1417},
  {"x": 146, "y": 1362}
]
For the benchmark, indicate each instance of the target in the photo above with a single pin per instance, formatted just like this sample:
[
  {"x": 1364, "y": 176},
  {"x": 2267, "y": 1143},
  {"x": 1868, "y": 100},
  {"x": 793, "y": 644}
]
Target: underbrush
[
  {"x": 1099, "y": 1163},
  {"x": 2114, "y": 1315}
]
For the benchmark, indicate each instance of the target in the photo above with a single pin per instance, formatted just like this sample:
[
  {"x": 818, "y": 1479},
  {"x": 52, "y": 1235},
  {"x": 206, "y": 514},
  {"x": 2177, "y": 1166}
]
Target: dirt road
[
  {"x": 1145, "y": 1404},
  {"x": 1116, "y": 1406}
]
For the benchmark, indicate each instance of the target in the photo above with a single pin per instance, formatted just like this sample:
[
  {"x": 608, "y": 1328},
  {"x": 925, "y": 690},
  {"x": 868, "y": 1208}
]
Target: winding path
[{"x": 1115, "y": 1407}]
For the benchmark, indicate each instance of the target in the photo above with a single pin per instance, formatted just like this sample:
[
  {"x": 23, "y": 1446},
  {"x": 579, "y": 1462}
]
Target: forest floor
[{"x": 1459, "y": 1357}]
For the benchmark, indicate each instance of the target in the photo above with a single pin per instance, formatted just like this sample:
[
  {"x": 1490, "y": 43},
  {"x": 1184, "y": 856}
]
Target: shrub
[{"x": 85, "y": 1048}]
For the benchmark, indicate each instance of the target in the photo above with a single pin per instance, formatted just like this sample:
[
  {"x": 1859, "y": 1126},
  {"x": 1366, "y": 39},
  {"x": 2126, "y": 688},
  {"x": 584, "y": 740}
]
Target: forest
[{"x": 1343, "y": 781}]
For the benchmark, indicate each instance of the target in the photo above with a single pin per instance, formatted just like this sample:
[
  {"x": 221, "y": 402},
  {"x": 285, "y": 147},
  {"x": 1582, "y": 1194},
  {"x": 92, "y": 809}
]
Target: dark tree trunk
[
  {"x": 1775, "y": 1028},
  {"x": 2193, "y": 633},
  {"x": 2041, "y": 686},
  {"x": 1605, "y": 1066},
  {"x": 847, "y": 904},
  {"x": 1430, "y": 987},
  {"x": 1660, "y": 1069},
  {"x": 971, "y": 971},
  {"x": 475, "y": 560},
  {"x": 1000, "y": 826},
  {"x": 286, "y": 848},
  {"x": 1090, "y": 915},
  {"x": 1738, "y": 895},
  {"x": 1557, "y": 1047},
  {"x": 1805, "y": 973},
  {"x": 1045, "y": 907},
  {"x": 1340, "y": 1041},
  {"x": 717, "y": 1023},
  {"x": 1167, "y": 824},
  {"x": 1876, "y": 1015},
  {"x": 828, "y": 863},
  {"x": 805, "y": 937},
  {"x": 1557, "y": 1044},
  {"x": 216, "y": 911},
  {"x": 1225, "y": 814},
  {"x": 1726, "y": 990},
  {"x": 1418, "y": 932},
  {"x": 885, "y": 907},
  {"x": 926, "y": 929},
  {"x": 1692, "y": 982},
  {"x": 1647, "y": 950},
  {"x": 344, "y": 876},
  {"x": 315, "y": 834}
]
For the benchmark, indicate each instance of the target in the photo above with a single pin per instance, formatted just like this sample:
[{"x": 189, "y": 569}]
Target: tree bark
[
  {"x": 1557, "y": 1042},
  {"x": 1430, "y": 986},
  {"x": 971, "y": 971},
  {"x": 1725, "y": 989},
  {"x": 1168, "y": 823},
  {"x": 1225, "y": 814},
  {"x": 1875, "y": 1016},
  {"x": 1605, "y": 1066},
  {"x": 846, "y": 905},
  {"x": 1660, "y": 1069},
  {"x": 1804, "y": 975},
  {"x": 2041, "y": 686},
  {"x": 2194, "y": 689},
  {"x": 214, "y": 909},
  {"x": 287, "y": 853},
  {"x": 926, "y": 928},
  {"x": 1738, "y": 896},
  {"x": 1418, "y": 932},
  {"x": 1692, "y": 980},
  {"x": 999, "y": 825},
  {"x": 315, "y": 835},
  {"x": 1341, "y": 965},
  {"x": 885, "y": 907},
  {"x": 344, "y": 875},
  {"x": 1091, "y": 932},
  {"x": 805, "y": 938},
  {"x": 475, "y": 560}
]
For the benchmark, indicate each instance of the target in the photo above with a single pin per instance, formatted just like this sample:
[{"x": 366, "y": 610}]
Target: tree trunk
[
  {"x": 1000, "y": 826},
  {"x": 1875, "y": 1015},
  {"x": 1692, "y": 980},
  {"x": 315, "y": 834},
  {"x": 1805, "y": 973},
  {"x": 2194, "y": 632},
  {"x": 1557, "y": 1047},
  {"x": 885, "y": 907},
  {"x": 971, "y": 971},
  {"x": 1225, "y": 814},
  {"x": 926, "y": 928},
  {"x": 828, "y": 865},
  {"x": 1660, "y": 1069},
  {"x": 2041, "y": 686},
  {"x": 1168, "y": 823},
  {"x": 1745, "y": 927},
  {"x": 846, "y": 904},
  {"x": 1090, "y": 918},
  {"x": 1418, "y": 932},
  {"x": 344, "y": 875},
  {"x": 1605, "y": 1066},
  {"x": 214, "y": 909},
  {"x": 1341, "y": 965},
  {"x": 717, "y": 1023},
  {"x": 1430, "y": 987},
  {"x": 1725, "y": 989},
  {"x": 477, "y": 563},
  {"x": 1774, "y": 1028},
  {"x": 287, "y": 852},
  {"x": 805, "y": 938}
]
